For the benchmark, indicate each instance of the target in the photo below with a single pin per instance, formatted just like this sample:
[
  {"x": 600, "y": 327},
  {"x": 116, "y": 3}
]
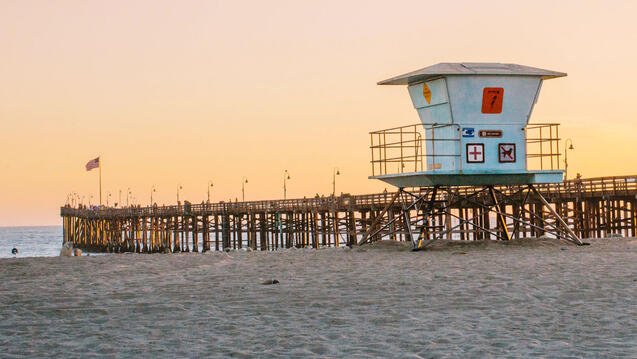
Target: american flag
[{"x": 94, "y": 163}]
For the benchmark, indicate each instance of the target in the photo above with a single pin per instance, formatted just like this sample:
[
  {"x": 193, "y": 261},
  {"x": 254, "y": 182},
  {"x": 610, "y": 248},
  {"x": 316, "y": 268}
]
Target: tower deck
[{"x": 470, "y": 178}]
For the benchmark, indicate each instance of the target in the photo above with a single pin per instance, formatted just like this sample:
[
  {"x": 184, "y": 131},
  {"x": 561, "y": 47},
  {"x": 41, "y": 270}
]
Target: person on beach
[{"x": 67, "y": 250}]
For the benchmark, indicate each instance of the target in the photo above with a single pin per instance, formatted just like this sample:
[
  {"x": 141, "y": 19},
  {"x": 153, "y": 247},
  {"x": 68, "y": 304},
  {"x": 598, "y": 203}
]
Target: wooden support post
[
  {"x": 288, "y": 230},
  {"x": 217, "y": 247},
  {"x": 144, "y": 236},
  {"x": 264, "y": 231},
  {"x": 448, "y": 222},
  {"x": 195, "y": 234},
  {"x": 315, "y": 239},
  {"x": 324, "y": 227},
  {"x": 633, "y": 218},
  {"x": 335, "y": 224},
  {"x": 351, "y": 230},
  {"x": 225, "y": 234},
  {"x": 238, "y": 228},
  {"x": 175, "y": 223},
  {"x": 206, "y": 233}
]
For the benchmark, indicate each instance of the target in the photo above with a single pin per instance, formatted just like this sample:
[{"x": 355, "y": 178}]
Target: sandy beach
[{"x": 522, "y": 299}]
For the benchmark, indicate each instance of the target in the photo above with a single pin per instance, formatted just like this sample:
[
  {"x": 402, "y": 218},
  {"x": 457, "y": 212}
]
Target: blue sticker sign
[{"x": 468, "y": 132}]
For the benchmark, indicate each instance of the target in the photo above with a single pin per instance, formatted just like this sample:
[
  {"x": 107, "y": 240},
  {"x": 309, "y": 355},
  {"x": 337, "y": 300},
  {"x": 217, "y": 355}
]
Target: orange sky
[{"x": 182, "y": 92}]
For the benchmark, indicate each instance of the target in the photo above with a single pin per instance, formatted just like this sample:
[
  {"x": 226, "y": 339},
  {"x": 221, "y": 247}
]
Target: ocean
[{"x": 41, "y": 241}]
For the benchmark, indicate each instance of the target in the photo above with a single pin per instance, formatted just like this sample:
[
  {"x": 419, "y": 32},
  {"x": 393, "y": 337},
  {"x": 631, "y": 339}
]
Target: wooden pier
[{"x": 593, "y": 208}]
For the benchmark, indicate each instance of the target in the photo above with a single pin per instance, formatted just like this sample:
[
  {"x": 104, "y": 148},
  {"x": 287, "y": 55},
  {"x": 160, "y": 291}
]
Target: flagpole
[{"x": 99, "y": 161}]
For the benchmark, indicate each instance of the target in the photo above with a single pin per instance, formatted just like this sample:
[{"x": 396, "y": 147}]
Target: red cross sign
[{"x": 475, "y": 152}]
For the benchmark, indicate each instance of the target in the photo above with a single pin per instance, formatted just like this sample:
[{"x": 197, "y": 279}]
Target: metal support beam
[
  {"x": 501, "y": 219},
  {"x": 574, "y": 238}
]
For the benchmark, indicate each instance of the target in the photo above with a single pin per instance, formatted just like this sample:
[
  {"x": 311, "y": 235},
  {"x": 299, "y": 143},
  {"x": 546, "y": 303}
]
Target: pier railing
[
  {"x": 598, "y": 186},
  {"x": 290, "y": 205}
]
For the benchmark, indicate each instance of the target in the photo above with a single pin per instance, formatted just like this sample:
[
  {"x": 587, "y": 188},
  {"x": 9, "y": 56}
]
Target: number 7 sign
[{"x": 492, "y": 99}]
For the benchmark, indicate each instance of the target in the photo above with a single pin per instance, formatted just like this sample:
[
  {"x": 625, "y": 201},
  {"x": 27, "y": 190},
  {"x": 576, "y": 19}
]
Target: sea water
[{"x": 42, "y": 241}]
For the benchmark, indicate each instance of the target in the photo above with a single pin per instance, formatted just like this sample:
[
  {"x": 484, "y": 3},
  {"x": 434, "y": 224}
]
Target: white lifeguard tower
[{"x": 474, "y": 131}]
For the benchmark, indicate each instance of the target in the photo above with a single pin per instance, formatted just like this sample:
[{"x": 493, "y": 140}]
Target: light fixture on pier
[
  {"x": 244, "y": 180},
  {"x": 566, "y": 148},
  {"x": 335, "y": 173},
  {"x": 286, "y": 176},
  {"x": 210, "y": 184},
  {"x": 152, "y": 190}
]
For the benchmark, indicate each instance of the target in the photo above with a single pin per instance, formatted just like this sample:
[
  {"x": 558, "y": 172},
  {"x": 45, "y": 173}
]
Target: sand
[{"x": 519, "y": 300}]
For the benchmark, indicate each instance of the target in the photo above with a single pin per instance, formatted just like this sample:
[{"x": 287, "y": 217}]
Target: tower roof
[{"x": 470, "y": 68}]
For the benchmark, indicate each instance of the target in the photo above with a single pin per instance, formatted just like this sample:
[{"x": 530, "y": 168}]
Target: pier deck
[{"x": 593, "y": 208}]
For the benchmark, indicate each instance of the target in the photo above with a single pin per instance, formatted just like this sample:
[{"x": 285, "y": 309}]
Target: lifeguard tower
[{"x": 473, "y": 143}]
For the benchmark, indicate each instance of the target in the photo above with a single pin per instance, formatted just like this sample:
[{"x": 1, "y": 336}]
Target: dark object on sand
[
  {"x": 14, "y": 251},
  {"x": 271, "y": 281}
]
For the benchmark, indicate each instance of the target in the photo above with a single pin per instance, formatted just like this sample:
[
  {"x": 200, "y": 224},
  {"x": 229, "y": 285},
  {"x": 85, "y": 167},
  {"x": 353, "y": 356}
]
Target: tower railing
[
  {"x": 543, "y": 146},
  {"x": 400, "y": 149},
  {"x": 409, "y": 148}
]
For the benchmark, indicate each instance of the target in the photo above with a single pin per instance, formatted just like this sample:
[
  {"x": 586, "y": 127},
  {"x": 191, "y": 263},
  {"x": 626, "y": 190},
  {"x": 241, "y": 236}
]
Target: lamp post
[
  {"x": 210, "y": 184},
  {"x": 108, "y": 195},
  {"x": 566, "y": 148},
  {"x": 244, "y": 180},
  {"x": 286, "y": 176},
  {"x": 152, "y": 190},
  {"x": 128, "y": 195},
  {"x": 179, "y": 187},
  {"x": 336, "y": 172},
  {"x": 90, "y": 198}
]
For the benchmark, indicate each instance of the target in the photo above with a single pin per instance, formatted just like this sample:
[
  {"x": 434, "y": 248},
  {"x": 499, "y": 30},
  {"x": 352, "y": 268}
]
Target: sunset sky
[{"x": 183, "y": 92}]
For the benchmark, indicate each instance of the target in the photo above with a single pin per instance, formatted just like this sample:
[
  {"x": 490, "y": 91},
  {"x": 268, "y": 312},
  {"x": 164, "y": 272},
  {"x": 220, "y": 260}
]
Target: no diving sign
[{"x": 506, "y": 152}]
